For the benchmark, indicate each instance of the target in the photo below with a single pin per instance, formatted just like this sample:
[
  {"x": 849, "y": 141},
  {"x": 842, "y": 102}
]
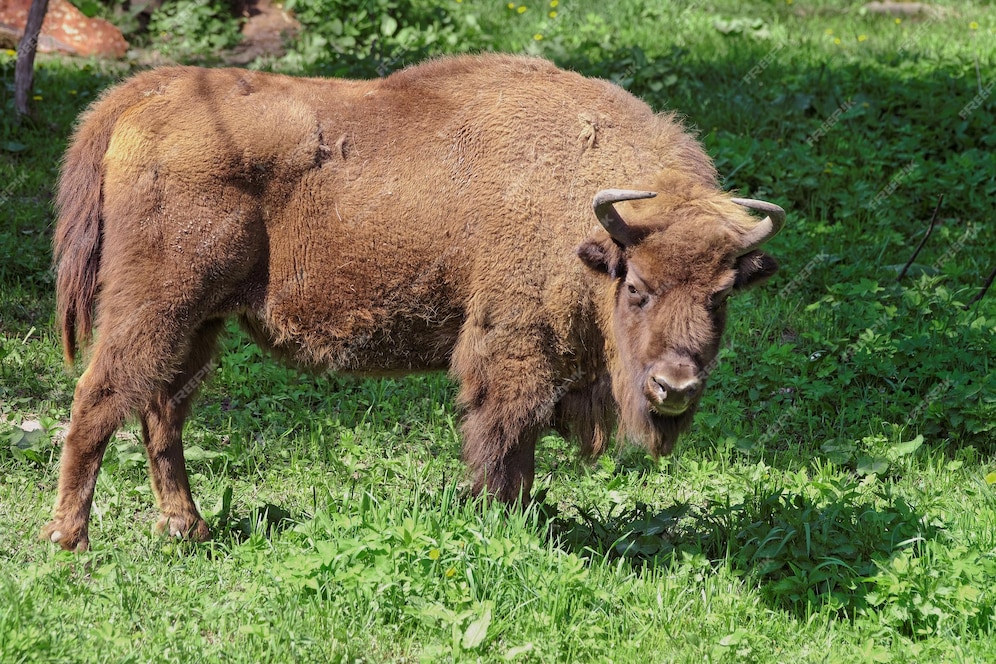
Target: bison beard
[
  {"x": 460, "y": 214},
  {"x": 640, "y": 424}
]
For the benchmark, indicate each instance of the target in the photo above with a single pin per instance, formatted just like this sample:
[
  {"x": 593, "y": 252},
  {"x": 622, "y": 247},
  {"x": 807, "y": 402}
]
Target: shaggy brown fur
[{"x": 432, "y": 219}]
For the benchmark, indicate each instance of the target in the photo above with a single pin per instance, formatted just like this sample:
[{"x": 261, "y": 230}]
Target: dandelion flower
[
  {"x": 511, "y": 5},
  {"x": 37, "y": 97},
  {"x": 971, "y": 26},
  {"x": 434, "y": 554},
  {"x": 553, "y": 14},
  {"x": 836, "y": 41},
  {"x": 554, "y": 3},
  {"x": 11, "y": 52},
  {"x": 898, "y": 21},
  {"x": 862, "y": 38},
  {"x": 521, "y": 9},
  {"x": 537, "y": 36}
]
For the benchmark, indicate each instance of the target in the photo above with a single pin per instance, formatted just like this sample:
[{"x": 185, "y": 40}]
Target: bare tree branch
[
  {"x": 24, "y": 72},
  {"x": 984, "y": 289},
  {"x": 930, "y": 229}
]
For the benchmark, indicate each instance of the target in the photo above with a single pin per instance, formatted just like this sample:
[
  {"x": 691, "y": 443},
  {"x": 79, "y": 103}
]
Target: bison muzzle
[{"x": 457, "y": 215}]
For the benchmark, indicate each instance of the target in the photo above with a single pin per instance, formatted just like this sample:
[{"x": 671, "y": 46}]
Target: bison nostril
[
  {"x": 688, "y": 387},
  {"x": 663, "y": 388},
  {"x": 673, "y": 394}
]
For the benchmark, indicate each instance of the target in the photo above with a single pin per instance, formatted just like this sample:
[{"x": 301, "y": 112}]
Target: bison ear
[
  {"x": 753, "y": 269},
  {"x": 603, "y": 255}
]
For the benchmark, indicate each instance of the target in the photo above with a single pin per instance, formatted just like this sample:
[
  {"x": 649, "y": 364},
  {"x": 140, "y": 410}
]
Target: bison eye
[{"x": 635, "y": 297}]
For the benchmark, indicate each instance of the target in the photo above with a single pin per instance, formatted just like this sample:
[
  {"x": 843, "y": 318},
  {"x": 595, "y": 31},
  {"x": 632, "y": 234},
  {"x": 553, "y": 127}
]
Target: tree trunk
[{"x": 24, "y": 72}]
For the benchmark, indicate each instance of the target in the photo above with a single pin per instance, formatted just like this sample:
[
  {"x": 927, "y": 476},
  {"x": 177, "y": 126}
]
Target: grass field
[{"x": 834, "y": 502}]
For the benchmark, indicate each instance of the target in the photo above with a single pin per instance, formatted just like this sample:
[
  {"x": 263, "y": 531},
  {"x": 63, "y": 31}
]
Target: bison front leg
[
  {"x": 501, "y": 458},
  {"x": 508, "y": 394}
]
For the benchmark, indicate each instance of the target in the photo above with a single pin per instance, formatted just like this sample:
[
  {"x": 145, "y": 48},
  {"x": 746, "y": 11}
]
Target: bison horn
[
  {"x": 767, "y": 228},
  {"x": 609, "y": 218}
]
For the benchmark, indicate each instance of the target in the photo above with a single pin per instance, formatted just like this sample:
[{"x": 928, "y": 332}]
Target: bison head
[{"x": 671, "y": 269}]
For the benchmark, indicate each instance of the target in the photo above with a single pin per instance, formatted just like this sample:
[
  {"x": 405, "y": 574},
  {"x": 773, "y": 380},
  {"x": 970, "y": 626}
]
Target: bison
[{"x": 443, "y": 217}]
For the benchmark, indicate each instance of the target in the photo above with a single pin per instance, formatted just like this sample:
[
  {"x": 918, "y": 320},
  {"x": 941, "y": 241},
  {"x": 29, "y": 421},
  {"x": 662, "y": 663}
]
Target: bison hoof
[
  {"x": 186, "y": 527},
  {"x": 68, "y": 537}
]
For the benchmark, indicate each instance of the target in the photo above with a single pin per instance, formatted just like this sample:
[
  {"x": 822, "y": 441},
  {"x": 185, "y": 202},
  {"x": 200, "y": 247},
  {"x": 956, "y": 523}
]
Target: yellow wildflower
[
  {"x": 537, "y": 36},
  {"x": 828, "y": 31},
  {"x": 836, "y": 41},
  {"x": 11, "y": 52},
  {"x": 434, "y": 554},
  {"x": 973, "y": 26},
  {"x": 37, "y": 97},
  {"x": 554, "y": 3},
  {"x": 898, "y": 21},
  {"x": 450, "y": 572},
  {"x": 553, "y": 14},
  {"x": 521, "y": 9},
  {"x": 511, "y": 5},
  {"x": 862, "y": 38}
]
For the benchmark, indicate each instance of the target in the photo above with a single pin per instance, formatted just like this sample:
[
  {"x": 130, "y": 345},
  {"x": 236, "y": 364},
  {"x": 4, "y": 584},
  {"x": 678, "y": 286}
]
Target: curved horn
[
  {"x": 767, "y": 228},
  {"x": 607, "y": 215}
]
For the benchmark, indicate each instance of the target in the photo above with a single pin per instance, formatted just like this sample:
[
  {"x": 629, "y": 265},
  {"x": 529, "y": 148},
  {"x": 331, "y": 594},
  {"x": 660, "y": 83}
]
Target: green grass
[{"x": 835, "y": 500}]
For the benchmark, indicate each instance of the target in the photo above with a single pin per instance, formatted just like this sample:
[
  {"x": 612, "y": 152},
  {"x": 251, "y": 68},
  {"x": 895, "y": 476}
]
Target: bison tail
[{"x": 79, "y": 229}]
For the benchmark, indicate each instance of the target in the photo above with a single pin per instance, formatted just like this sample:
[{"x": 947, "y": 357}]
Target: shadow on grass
[
  {"x": 804, "y": 550},
  {"x": 266, "y": 519}
]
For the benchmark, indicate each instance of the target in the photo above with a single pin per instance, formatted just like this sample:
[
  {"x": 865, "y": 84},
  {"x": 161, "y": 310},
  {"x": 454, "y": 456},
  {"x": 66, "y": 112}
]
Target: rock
[
  {"x": 907, "y": 9},
  {"x": 266, "y": 29},
  {"x": 66, "y": 29}
]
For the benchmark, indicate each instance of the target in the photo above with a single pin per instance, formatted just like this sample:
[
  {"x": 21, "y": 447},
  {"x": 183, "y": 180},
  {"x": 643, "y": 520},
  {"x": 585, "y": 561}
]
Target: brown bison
[{"x": 443, "y": 217}]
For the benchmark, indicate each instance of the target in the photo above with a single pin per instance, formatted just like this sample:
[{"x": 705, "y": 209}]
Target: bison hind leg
[
  {"x": 134, "y": 354},
  {"x": 162, "y": 426}
]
